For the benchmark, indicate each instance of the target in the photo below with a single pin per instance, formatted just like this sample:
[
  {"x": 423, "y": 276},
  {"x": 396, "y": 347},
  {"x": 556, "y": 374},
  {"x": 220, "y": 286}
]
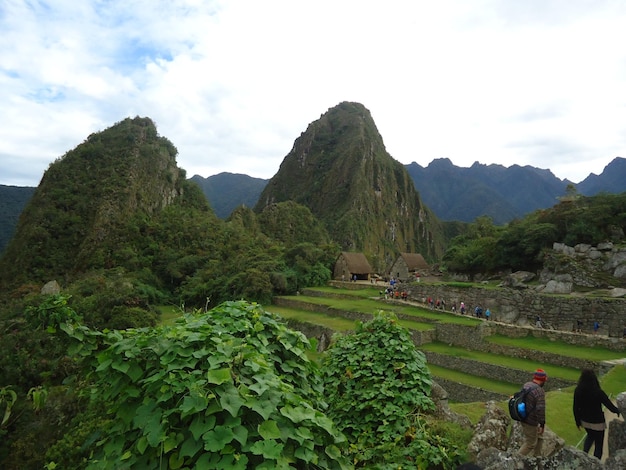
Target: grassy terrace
[
  {"x": 498, "y": 386},
  {"x": 333, "y": 322},
  {"x": 557, "y": 347},
  {"x": 566, "y": 373},
  {"x": 370, "y": 306}
]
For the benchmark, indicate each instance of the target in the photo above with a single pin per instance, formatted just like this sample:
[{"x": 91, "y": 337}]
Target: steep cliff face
[
  {"x": 339, "y": 168},
  {"x": 87, "y": 199}
]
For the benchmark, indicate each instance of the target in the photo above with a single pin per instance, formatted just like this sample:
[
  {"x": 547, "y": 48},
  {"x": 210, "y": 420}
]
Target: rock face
[
  {"x": 580, "y": 264},
  {"x": 491, "y": 431},
  {"x": 568, "y": 458}
]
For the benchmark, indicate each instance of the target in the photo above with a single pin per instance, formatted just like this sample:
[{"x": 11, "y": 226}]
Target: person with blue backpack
[{"x": 535, "y": 421}]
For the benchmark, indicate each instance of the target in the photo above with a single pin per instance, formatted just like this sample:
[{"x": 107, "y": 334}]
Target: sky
[{"x": 233, "y": 83}]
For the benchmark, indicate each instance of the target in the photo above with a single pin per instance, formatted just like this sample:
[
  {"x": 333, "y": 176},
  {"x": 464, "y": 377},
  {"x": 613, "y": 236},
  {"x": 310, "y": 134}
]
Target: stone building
[
  {"x": 350, "y": 264},
  {"x": 408, "y": 265}
]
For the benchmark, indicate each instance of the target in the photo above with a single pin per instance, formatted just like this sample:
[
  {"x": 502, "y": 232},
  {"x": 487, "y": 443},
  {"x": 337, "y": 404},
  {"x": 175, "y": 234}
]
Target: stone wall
[
  {"x": 489, "y": 371},
  {"x": 521, "y": 306},
  {"x": 467, "y": 394}
]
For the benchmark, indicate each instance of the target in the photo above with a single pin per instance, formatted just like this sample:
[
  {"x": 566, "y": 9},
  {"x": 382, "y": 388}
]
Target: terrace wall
[{"x": 521, "y": 306}]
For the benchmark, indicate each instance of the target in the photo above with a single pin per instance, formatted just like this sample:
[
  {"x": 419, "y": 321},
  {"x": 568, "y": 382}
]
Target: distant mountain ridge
[
  {"x": 227, "y": 191},
  {"x": 451, "y": 192}
]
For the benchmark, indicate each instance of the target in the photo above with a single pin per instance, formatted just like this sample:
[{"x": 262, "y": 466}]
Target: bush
[
  {"x": 230, "y": 388},
  {"x": 378, "y": 386}
]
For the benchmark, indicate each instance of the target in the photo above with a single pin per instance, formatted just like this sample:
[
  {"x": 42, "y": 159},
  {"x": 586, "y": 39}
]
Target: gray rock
[
  {"x": 620, "y": 400},
  {"x": 605, "y": 246},
  {"x": 617, "y": 437},
  {"x": 617, "y": 461},
  {"x": 582, "y": 248},
  {"x": 51, "y": 288},
  {"x": 617, "y": 292},
  {"x": 558, "y": 287},
  {"x": 490, "y": 431},
  {"x": 620, "y": 271},
  {"x": 568, "y": 458}
]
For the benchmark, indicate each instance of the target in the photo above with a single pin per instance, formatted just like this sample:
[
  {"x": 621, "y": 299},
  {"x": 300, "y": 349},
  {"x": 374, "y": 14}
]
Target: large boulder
[
  {"x": 490, "y": 431},
  {"x": 568, "y": 458},
  {"x": 442, "y": 409},
  {"x": 617, "y": 461},
  {"x": 51, "y": 288}
]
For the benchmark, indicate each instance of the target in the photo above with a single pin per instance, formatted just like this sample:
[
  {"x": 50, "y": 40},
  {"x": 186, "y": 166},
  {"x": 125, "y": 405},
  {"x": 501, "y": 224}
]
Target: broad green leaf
[
  {"x": 219, "y": 376},
  {"x": 142, "y": 444},
  {"x": 232, "y": 402},
  {"x": 241, "y": 434},
  {"x": 217, "y": 438},
  {"x": 269, "y": 449},
  {"x": 200, "y": 425},
  {"x": 190, "y": 447},
  {"x": 192, "y": 404},
  {"x": 176, "y": 461},
  {"x": 297, "y": 414},
  {"x": 269, "y": 430}
]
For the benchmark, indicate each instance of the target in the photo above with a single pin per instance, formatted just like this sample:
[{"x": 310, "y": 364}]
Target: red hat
[{"x": 540, "y": 375}]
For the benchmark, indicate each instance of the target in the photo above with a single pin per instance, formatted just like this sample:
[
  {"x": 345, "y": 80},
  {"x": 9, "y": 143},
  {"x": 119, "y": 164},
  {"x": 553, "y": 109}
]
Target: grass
[
  {"x": 557, "y": 347},
  {"x": 333, "y": 322},
  {"x": 168, "y": 314},
  {"x": 559, "y": 416},
  {"x": 336, "y": 323},
  {"x": 566, "y": 373},
  {"x": 492, "y": 385},
  {"x": 370, "y": 306}
]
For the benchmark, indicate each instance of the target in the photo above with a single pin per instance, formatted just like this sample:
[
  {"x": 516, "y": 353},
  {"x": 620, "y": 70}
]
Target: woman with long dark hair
[{"x": 588, "y": 401}]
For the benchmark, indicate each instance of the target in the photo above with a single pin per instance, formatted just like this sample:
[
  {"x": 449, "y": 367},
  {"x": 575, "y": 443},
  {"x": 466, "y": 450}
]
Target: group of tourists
[{"x": 587, "y": 409}]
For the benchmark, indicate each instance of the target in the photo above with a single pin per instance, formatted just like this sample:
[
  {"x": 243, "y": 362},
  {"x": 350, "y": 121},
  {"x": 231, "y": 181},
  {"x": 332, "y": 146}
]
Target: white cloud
[{"x": 233, "y": 83}]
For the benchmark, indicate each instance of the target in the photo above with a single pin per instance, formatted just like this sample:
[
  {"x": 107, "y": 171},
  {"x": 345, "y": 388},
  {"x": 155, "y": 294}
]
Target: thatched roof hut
[
  {"x": 349, "y": 265},
  {"x": 408, "y": 265}
]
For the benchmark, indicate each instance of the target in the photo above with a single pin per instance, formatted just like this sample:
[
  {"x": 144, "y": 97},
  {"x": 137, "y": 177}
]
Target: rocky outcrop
[{"x": 490, "y": 431}]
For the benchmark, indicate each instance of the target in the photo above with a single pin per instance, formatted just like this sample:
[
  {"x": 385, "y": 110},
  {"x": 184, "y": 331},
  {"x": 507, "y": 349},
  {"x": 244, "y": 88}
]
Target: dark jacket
[
  {"x": 588, "y": 405},
  {"x": 536, "y": 404}
]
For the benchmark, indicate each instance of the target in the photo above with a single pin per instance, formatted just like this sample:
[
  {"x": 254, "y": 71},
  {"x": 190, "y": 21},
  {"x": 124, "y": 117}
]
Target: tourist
[
  {"x": 534, "y": 424},
  {"x": 588, "y": 401},
  {"x": 487, "y": 313},
  {"x": 596, "y": 327}
]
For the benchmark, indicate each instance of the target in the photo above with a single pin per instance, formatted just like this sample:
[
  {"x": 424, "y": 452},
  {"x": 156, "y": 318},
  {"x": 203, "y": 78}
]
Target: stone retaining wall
[
  {"x": 521, "y": 306},
  {"x": 467, "y": 394},
  {"x": 490, "y": 371}
]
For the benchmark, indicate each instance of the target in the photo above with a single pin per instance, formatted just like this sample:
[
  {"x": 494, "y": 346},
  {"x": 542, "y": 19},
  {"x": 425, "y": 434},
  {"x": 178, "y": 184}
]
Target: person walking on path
[
  {"x": 535, "y": 421},
  {"x": 588, "y": 401}
]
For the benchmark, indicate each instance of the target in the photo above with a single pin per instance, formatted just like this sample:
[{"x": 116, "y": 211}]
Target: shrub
[
  {"x": 378, "y": 386},
  {"x": 230, "y": 388}
]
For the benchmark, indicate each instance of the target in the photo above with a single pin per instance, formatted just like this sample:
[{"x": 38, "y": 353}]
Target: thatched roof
[
  {"x": 414, "y": 261},
  {"x": 356, "y": 262}
]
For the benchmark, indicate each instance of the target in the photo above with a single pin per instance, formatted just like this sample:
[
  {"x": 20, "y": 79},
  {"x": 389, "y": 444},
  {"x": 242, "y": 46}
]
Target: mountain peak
[{"x": 339, "y": 169}]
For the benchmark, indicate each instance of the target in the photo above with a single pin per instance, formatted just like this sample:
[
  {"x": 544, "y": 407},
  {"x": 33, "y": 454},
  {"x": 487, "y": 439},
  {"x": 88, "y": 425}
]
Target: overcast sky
[{"x": 233, "y": 83}]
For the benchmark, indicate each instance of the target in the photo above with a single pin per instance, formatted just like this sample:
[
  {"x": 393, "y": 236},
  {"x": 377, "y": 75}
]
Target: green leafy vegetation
[
  {"x": 230, "y": 388},
  {"x": 378, "y": 389},
  {"x": 521, "y": 244}
]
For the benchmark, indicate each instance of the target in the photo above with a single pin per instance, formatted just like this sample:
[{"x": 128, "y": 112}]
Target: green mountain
[
  {"x": 339, "y": 169},
  {"x": 226, "y": 191},
  {"x": 13, "y": 199},
  {"x": 87, "y": 207}
]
